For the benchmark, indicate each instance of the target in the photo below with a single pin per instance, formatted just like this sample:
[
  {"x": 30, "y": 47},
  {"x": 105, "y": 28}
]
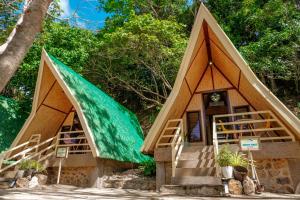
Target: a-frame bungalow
[
  {"x": 217, "y": 99},
  {"x": 68, "y": 112}
]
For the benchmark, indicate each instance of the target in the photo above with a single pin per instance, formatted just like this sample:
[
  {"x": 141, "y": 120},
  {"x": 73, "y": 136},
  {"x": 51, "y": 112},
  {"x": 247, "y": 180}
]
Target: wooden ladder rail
[{"x": 29, "y": 156}]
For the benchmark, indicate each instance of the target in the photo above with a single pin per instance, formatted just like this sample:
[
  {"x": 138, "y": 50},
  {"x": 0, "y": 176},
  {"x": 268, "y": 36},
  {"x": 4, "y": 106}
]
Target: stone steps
[
  {"x": 179, "y": 172},
  {"x": 193, "y": 190},
  {"x": 195, "y": 163},
  {"x": 5, "y": 182},
  {"x": 197, "y": 180}
]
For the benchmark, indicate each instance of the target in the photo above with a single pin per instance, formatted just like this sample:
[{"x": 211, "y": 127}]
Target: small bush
[
  {"x": 149, "y": 168},
  {"x": 238, "y": 159},
  {"x": 229, "y": 158},
  {"x": 224, "y": 157},
  {"x": 31, "y": 164}
]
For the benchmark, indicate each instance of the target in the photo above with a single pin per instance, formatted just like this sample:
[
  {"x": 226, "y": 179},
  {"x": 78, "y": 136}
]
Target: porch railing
[
  {"x": 172, "y": 136},
  {"x": 78, "y": 144},
  {"x": 229, "y": 128},
  {"x": 44, "y": 150},
  {"x": 40, "y": 152}
]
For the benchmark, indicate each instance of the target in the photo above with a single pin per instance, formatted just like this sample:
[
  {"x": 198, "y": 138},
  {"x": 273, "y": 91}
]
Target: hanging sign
[
  {"x": 62, "y": 152},
  {"x": 250, "y": 143}
]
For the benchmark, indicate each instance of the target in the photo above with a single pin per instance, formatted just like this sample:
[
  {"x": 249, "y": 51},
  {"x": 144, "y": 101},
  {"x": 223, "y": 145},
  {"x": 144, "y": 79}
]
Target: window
[
  {"x": 241, "y": 109},
  {"x": 194, "y": 127}
]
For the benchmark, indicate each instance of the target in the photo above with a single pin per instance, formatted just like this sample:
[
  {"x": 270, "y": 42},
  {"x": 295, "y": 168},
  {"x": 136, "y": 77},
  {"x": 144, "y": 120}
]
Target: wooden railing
[
  {"x": 229, "y": 128},
  {"x": 40, "y": 151},
  {"x": 173, "y": 136},
  {"x": 80, "y": 145}
]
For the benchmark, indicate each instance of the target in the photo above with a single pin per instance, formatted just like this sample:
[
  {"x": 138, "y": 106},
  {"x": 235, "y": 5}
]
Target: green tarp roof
[
  {"x": 116, "y": 130},
  {"x": 11, "y": 121}
]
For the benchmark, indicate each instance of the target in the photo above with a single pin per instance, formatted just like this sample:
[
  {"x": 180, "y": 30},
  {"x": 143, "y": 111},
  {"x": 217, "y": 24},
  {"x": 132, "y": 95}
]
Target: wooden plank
[
  {"x": 62, "y": 133},
  {"x": 72, "y": 145},
  {"x": 163, "y": 154},
  {"x": 250, "y": 130},
  {"x": 167, "y": 136},
  {"x": 262, "y": 139},
  {"x": 163, "y": 144},
  {"x": 247, "y": 122},
  {"x": 244, "y": 113}
]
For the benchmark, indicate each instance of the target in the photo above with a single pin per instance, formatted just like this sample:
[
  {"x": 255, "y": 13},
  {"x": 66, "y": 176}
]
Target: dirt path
[{"x": 61, "y": 192}]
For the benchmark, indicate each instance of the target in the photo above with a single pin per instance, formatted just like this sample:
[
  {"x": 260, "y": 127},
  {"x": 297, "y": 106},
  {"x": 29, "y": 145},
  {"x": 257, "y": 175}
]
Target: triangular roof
[
  {"x": 209, "y": 47},
  {"x": 113, "y": 132}
]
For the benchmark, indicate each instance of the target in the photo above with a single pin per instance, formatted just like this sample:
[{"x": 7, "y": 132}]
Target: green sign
[{"x": 250, "y": 143}]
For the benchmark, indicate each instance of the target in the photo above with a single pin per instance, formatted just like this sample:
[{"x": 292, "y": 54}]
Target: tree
[
  {"x": 13, "y": 51},
  {"x": 267, "y": 34},
  {"x": 71, "y": 45},
  {"x": 139, "y": 60},
  {"x": 159, "y": 9}
]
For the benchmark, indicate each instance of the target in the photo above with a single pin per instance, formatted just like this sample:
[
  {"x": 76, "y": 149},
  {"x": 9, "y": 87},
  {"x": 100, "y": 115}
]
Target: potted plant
[
  {"x": 224, "y": 159},
  {"x": 239, "y": 163}
]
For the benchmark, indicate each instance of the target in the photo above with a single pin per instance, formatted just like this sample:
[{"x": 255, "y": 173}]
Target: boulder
[
  {"x": 34, "y": 182},
  {"x": 42, "y": 179},
  {"x": 249, "y": 186},
  {"x": 235, "y": 187},
  {"x": 22, "y": 183}
]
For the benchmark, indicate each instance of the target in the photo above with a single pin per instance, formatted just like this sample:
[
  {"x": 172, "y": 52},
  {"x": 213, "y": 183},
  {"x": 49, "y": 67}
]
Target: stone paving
[{"x": 63, "y": 192}]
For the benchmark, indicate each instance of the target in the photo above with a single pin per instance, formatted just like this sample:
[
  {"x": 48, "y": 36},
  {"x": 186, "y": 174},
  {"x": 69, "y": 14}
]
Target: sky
[{"x": 83, "y": 13}]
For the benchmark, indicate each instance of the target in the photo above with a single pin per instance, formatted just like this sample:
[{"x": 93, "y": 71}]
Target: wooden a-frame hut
[
  {"x": 101, "y": 135},
  {"x": 217, "y": 99}
]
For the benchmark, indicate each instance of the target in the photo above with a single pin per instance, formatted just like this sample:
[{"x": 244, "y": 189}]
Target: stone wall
[
  {"x": 275, "y": 175},
  {"x": 77, "y": 176},
  {"x": 87, "y": 176}
]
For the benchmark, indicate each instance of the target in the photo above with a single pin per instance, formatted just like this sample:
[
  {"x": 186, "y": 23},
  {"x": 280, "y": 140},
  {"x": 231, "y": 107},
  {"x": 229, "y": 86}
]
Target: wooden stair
[{"x": 196, "y": 166}]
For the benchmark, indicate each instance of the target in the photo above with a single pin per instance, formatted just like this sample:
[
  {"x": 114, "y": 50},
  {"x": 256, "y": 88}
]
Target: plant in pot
[
  {"x": 239, "y": 163},
  {"x": 224, "y": 159}
]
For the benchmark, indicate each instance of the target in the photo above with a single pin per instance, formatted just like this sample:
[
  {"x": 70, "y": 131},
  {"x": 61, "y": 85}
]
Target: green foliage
[
  {"x": 224, "y": 157},
  {"x": 267, "y": 34},
  {"x": 31, "y": 164},
  {"x": 228, "y": 158},
  {"x": 238, "y": 159},
  {"x": 148, "y": 168},
  {"x": 139, "y": 60},
  {"x": 70, "y": 44},
  {"x": 12, "y": 117}
]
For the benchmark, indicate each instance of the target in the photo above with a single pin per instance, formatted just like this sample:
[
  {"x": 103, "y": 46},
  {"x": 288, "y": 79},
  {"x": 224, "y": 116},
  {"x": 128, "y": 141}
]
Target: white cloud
[{"x": 65, "y": 6}]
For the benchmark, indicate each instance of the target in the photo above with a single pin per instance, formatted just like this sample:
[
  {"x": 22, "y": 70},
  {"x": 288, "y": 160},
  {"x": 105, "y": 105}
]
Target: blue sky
[{"x": 83, "y": 13}]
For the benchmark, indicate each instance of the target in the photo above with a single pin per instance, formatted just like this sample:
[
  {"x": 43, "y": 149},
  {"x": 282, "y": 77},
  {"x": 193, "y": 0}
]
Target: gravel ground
[{"x": 63, "y": 192}]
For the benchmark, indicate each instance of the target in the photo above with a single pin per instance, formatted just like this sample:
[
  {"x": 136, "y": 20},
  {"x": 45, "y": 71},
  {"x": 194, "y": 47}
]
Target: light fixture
[{"x": 215, "y": 97}]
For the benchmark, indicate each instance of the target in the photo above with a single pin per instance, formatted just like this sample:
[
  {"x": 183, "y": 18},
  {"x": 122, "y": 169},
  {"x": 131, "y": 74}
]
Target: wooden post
[
  {"x": 216, "y": 146},
  {"x": 59, "y": 171},
  {"x": 252, "y": 164}
]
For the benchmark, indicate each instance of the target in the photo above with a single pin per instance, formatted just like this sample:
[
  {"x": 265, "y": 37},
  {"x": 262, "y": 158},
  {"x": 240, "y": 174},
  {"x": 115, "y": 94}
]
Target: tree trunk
[
  {"x": 13, "y": 51},
  {"x": 273, "y": 83}
]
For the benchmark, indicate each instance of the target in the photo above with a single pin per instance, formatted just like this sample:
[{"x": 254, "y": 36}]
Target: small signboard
[
  {"x": 250, "y": 143},
  {"x": 62, "y": 152}
]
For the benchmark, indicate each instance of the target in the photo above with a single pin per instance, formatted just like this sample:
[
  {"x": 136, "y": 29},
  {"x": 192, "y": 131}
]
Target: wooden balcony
[{"x": 229, "y": 128}]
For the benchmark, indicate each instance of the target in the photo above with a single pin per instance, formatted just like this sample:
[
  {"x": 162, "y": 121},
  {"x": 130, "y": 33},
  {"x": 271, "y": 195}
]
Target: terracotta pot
[
  {"x": 240, "y": 173},
  {"x": 227, "y": 171}
]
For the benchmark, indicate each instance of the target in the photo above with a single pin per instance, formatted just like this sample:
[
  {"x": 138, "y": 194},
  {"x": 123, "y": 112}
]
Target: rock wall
[
  {"x": 77, "y": 176},
  {"x": 275, "y": 175}
]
